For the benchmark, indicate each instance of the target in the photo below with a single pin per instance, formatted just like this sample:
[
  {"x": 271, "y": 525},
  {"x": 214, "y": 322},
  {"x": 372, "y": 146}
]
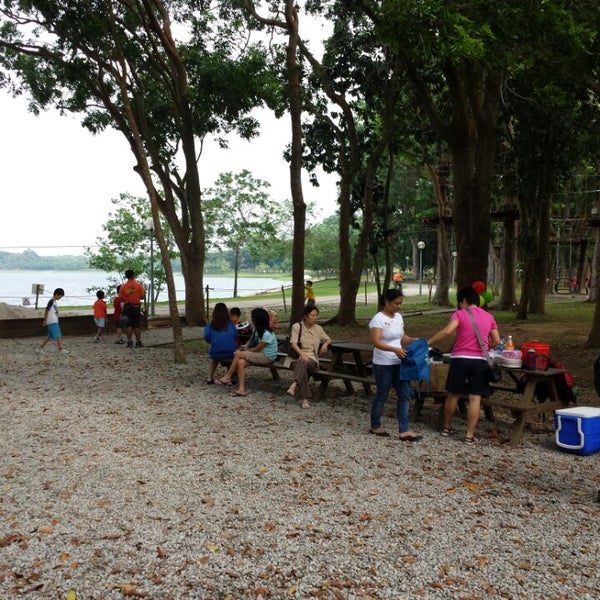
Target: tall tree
[
  {"x": 120, "y": 65},
  {"x": 239, "y": 211}
]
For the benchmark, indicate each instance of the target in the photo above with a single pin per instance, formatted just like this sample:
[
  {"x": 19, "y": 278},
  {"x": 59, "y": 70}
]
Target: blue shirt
[
  {"x": 270, "y": 339},
  {"x": 222, "y": 343}
]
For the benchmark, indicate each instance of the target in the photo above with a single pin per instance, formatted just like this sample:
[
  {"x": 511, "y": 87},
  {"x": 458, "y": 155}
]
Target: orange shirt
[
  {"x": 132, "y": 292},
  {"x": 100, "y": 309}
]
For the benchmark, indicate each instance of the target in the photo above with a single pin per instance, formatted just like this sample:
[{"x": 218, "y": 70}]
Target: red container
[{"x": 542, "y": 352}]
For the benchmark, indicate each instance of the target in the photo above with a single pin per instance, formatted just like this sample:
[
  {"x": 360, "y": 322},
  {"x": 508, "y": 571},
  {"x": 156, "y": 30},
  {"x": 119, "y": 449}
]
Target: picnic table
[
  {"x": 532, "y": 392},
  {"x": 353, "y": 369},
  {"x": 526, "y": 393}
]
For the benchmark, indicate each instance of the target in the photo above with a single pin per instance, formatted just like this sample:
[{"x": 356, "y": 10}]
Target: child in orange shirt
[{"x": 100, "y": 315}]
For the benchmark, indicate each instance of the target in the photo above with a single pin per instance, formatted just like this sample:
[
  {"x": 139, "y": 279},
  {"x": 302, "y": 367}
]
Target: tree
[
  {"x": 120, "y": 65},
  {"x": 238, "y": 211},
  {"x": 127, "y": 243}
]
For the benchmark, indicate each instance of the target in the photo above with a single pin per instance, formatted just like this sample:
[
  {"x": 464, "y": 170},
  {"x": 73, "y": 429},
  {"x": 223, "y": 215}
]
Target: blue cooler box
[{"x": 578, "y": 429}]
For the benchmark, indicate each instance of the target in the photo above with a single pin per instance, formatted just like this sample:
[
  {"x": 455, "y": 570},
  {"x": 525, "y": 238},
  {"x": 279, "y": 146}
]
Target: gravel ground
[{"x": 124, "y": 475}]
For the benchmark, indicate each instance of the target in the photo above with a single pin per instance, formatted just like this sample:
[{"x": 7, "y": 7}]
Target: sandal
[
  {"x": 305, "y": 403},
  {"x": 471, "y": 441},
  {"x": 221, "y": 382},
  {"x": 446, "y": 431},
  {"x": 210, "y": 381}
]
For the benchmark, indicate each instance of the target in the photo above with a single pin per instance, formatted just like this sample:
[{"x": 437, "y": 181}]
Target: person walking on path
[
  {"x": 468, "y": 371},
  {"x": 100, "y": 313},
  {"x": 309, "y": 293},
  {"x": 51, "y": 322},
  {"x": 388, "y": 338},
  {"x": 118, "y": 317},
  {"x": 260, "y": 350},
  {"x": 132, "y": 293},
  {"x": 309, "y": 341}
]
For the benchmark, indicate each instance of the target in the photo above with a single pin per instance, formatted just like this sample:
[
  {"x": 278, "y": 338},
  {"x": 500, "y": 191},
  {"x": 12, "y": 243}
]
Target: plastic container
[
  {"x": 578, "y": 429},
  {"x": 542, "y": 353}
]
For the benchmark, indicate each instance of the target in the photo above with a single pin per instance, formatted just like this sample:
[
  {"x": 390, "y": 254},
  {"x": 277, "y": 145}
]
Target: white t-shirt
[
  {"x": 52, "y": 316},
  {"x": 392, "y": 332}
]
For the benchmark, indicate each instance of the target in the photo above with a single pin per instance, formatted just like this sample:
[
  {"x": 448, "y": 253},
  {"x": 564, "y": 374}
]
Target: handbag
[
  {"x": 286, "y": 346},
  {"x": 494, "y": 373}
]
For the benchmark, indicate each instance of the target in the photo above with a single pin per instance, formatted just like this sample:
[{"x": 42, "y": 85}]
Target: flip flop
[
  {"x": 220, "y": 382},
  {"x": 410, "y": 438},
  {"x": 236, "y": 394},
  {"x": 379, "y": 433},
  {"x": 305, "y": 404}
]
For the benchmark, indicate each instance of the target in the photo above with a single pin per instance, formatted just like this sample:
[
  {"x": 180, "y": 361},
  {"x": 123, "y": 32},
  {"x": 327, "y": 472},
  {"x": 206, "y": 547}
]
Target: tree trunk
[
  {"x": 593, "y": 340},
  {"x": 295, "y": 104},
  {"x": 508, "y": 290},
  {"x": 534, "y": 240}
]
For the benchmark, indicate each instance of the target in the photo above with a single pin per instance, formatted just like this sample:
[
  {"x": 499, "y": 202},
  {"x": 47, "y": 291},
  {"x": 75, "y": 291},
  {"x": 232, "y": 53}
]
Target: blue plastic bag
[{"x": 416, "y": 367}]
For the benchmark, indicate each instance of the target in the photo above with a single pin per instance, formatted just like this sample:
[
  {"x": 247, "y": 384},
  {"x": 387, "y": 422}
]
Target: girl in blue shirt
[
  {"x": 221, "y": 334},
  {"x": 261, "y": 350}
]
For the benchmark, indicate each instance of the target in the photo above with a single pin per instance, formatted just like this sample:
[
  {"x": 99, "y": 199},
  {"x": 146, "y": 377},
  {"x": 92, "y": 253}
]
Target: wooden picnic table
[
  {"x": 356, "y": 369},
  {"x": 526, "y": 393},
  {"x": 531, "y": 393}
]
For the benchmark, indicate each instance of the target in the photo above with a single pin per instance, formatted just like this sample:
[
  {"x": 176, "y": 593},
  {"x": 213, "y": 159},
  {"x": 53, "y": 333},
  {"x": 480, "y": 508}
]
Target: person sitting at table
[
  {"x": 221, "y": 334},
  {"x": 260, "y": 350},
  {"x": 309, "y": 340},
  {"x": 468, "y": 370},
  {"x": 388, "y": 337}
]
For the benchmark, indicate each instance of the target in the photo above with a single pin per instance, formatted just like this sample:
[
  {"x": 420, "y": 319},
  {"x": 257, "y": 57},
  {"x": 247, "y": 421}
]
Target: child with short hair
[
  {"x": 51, "y": 322},
  {"x": 100, "y": 313}
]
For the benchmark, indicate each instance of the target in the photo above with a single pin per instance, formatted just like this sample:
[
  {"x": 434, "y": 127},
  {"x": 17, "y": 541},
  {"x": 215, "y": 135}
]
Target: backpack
[
  {"x": 415, "y": 366},
  {"x": 565, "y": 384}
]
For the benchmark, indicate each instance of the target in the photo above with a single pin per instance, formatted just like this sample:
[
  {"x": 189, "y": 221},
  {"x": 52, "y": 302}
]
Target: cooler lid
[{"x": 580, "y": 411}]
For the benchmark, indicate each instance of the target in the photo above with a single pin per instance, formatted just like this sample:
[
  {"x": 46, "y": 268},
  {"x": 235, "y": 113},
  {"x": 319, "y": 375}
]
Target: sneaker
[
  {"x": 139, "y": 344},
  {"x": 120, "y": 341},
  {"x": 39, "y": 351},
  {"x": 63, "y": 352},
  {"x": 96, "y": 339},
  {"x": 130, "y": 344}
]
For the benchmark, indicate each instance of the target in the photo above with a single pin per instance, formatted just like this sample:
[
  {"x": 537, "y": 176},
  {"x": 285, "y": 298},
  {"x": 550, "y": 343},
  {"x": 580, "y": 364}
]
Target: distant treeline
[{"x": 32, "y": 261}]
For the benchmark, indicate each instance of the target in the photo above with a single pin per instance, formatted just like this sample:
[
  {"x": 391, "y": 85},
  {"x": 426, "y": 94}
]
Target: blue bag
[{"x": 415, "y": 367}]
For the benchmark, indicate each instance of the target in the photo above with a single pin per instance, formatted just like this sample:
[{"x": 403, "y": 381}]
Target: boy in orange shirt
[{"x": 100, "y": 315}]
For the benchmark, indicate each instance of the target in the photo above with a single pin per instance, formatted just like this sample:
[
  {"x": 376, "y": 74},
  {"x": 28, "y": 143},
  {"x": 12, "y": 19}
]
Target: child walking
[
  {"x": 51, "y": 322},
  {"x": 100, "y": 313}
]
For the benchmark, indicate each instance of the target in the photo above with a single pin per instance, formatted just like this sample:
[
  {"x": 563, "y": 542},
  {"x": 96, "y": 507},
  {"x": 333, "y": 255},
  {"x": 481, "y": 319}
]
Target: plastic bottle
[{"x": 510, "y": 345}]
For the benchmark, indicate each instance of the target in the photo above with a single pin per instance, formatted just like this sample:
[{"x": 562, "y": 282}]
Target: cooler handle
[{"x": 569, "y": 446}]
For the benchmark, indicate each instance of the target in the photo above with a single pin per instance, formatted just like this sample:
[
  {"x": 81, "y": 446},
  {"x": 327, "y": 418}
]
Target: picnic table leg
[{"x": 517, "y": 428}]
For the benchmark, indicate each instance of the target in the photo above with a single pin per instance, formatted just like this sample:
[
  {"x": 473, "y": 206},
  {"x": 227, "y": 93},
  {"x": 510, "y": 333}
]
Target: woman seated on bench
[
  {"x": 305, "y": 339},
  {"x": 260, "y": 350}
]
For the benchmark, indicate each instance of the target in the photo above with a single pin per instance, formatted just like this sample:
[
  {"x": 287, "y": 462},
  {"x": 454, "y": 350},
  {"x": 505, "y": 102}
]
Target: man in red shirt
[{"x": 132, "y": 293}]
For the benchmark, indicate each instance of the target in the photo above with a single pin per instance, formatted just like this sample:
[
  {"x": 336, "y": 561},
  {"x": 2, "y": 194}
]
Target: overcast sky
[{"x": 58, "y": 179}]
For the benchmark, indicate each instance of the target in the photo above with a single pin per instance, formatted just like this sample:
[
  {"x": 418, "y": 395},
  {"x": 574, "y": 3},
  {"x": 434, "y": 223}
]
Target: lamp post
[
  {"x": 420, "y": 246},
  {"x": 150, "y": 227},
  {"x": 454, "y": 255}
]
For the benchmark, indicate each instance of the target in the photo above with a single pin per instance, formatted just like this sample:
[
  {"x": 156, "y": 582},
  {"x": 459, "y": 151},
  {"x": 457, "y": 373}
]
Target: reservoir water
[{"x": 16, "y": 286}]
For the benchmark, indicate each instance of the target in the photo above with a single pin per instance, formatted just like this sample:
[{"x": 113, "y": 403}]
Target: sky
[{"x": 58, "y": 179}]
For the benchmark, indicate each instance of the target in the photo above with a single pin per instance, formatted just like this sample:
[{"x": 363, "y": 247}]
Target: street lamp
[
  {"x": 454, "y": 255},
  {"x": 420, "y": 246},
  {"x": 150, "y": 227}
]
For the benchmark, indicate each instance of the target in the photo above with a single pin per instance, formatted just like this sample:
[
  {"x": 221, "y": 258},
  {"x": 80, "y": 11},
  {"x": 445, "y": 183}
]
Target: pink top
[{"x": 466, "y": 344}]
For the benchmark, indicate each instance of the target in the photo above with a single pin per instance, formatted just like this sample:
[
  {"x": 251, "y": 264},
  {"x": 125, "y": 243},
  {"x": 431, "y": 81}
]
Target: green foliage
[
  {"x": 239, "y": 213},
  {"x": 126, "y": 244},
  {"x": 29, "y": 260}
]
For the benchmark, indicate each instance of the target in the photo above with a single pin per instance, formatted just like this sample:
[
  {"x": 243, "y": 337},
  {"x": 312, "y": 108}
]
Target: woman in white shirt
[{"x": 388, "y": 337}]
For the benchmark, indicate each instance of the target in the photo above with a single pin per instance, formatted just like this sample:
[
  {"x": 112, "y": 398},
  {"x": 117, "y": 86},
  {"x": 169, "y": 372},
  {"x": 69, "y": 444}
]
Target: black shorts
[
  {"x": 468, "y": 376},
  {"x": 133, "y": 313}
]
